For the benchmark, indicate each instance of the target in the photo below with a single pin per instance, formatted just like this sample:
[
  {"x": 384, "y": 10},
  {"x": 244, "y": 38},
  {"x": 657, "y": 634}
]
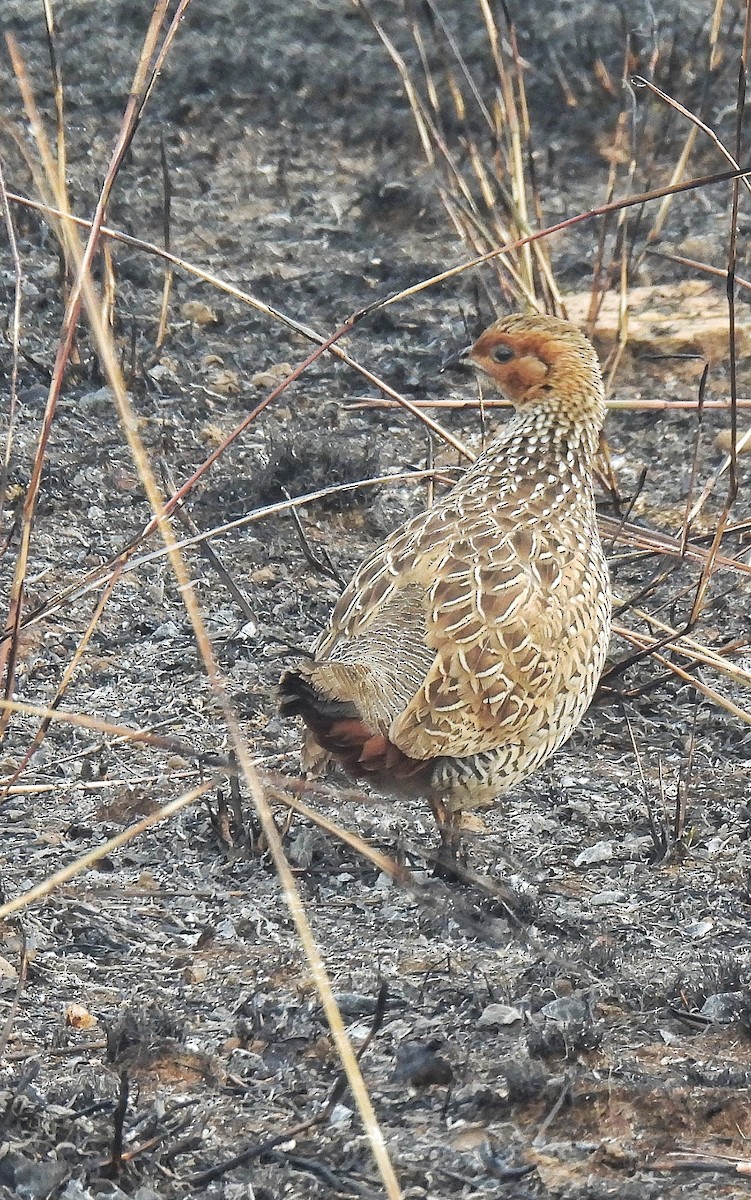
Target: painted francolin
[{"x": 468, "y": 646}]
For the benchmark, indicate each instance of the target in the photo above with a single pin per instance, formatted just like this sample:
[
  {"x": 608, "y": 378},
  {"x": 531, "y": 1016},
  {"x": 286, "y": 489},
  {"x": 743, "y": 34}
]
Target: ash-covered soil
[{"x": 567, "y": 1051}]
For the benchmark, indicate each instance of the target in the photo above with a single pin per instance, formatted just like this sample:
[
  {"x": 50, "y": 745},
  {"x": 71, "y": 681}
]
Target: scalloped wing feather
[
  {"x": 504, "y": 633},
  {"x": 481, "y": 623}
]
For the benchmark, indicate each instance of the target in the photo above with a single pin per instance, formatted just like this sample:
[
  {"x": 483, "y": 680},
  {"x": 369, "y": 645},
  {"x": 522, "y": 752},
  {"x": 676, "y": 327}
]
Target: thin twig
[
  {"x": 100, "y": 573},
  {"x": 602, "y": 210},
  {"x": 256, "y": 1149},
  {"x": 15, "y": 341},
  {"x": 167, "y": 225},
  {"x": 9, "y": 649},
  {"x": 23, "y": 967},
  {"x": 41, "y": 890}
]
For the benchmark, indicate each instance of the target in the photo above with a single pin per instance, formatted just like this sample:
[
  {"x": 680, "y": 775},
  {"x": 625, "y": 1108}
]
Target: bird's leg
[{"x": 449, "y": 831}]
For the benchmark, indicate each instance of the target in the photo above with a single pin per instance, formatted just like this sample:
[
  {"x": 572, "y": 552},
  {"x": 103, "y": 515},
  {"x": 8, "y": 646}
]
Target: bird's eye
[{"x": 501, "y": 353}]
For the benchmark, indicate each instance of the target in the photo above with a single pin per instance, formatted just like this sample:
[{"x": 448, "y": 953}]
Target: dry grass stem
[
  {"x": 122, "y": 561},
  {"x": 92, "y": 857},
  {"x": 694, "y": 265},
  {"x": 15, "y": 343},
  {"x": 679, "y": 170},
  {"x": 643, "y": 642},
  {"x": 9, "y": 649},
  {"x": 679, "y": 623},
  {"x": 602, "y": 210},
  {"x": 121, "y": 732},
  {"x": 639, "y": 81},
  {"x": 84, "y": 292},
  {"x": 169, "y": 274}
]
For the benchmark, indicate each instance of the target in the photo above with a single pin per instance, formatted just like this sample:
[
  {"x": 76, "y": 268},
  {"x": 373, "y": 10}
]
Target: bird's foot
[{"x": 449, "y": 859}]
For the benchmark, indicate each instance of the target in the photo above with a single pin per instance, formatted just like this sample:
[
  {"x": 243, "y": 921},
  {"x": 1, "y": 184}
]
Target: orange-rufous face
[{"x": 517, "y": 363}]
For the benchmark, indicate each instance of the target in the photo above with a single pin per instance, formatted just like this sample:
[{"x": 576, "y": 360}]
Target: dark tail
[
  {"x": 338, "y": 728},
  {"x": 298, "y": 697},
  {"x": 334, "y": 724}
]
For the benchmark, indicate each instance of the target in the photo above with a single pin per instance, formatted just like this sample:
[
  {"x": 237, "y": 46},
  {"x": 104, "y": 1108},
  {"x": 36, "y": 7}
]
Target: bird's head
[{"x": 537, "y": 360}]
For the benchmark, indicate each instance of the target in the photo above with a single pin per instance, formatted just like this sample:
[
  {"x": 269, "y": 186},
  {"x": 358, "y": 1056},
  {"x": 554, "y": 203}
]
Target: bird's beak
[{"x": 460, "y": 358}]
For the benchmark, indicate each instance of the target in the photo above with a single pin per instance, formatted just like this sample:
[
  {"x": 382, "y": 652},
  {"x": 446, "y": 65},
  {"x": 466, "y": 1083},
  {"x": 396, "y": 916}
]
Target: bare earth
[{"x": 568, "y": 1051}]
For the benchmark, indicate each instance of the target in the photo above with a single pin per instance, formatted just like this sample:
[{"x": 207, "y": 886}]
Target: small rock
[
  {"x": 166, "y": 632},
  {"x": 599, "y": 853},
  {"x": 699, "y": 929},
  {"x": 670, "y": 1038},
  {"x": 470, "y": 1137},
  {"x": 100, "y": 400},
  {"x": 248, "y": 630},
  {"x": 7, "y": 970},
  {"x": 601, "y": 898},
  {"x": 272, "y": 376},
  {"x": 267, "y": 574},
  {"x": 340, "y": 1116},
  {"x": 568, "y": 1008},
  {"x": 165, "y": 370},
  {"x": 355, "y": 1004},
  {"x": 302, "y": 848},
  {"x": 615, "y": 1154},
  {"x": 31, "y": 1180},
  {"x": 725, "y": 1006},
  {"x": 496, "y": 1015},
  {"x": 212, "y": 434},
  {"x": 227, "y": 383},
  {"x": 79, "y": 1017},
  {"x": 76, "y": 1191},
  {"x": 199, "y": 313},
  {"x": 420, "y": 1066}
]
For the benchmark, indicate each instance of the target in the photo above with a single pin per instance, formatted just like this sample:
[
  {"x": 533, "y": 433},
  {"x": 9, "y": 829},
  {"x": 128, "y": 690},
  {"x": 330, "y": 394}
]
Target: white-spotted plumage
[{"x": 468, "y": 646}]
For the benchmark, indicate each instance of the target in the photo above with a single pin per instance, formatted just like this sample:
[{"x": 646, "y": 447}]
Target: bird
[{"x": 467, "y": 647}]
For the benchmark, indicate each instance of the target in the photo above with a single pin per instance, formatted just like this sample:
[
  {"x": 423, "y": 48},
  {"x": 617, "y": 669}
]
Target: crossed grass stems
[{"x": 493, "y": 203}]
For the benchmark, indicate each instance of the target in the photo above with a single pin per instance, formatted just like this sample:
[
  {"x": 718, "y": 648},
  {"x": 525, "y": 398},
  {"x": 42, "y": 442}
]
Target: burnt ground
[{"x": 568, "y": 1052}]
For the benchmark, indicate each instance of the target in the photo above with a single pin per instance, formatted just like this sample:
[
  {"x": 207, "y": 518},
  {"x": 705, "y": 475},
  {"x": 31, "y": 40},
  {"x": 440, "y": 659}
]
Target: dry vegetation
[{"x": 236, "y": 252}]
